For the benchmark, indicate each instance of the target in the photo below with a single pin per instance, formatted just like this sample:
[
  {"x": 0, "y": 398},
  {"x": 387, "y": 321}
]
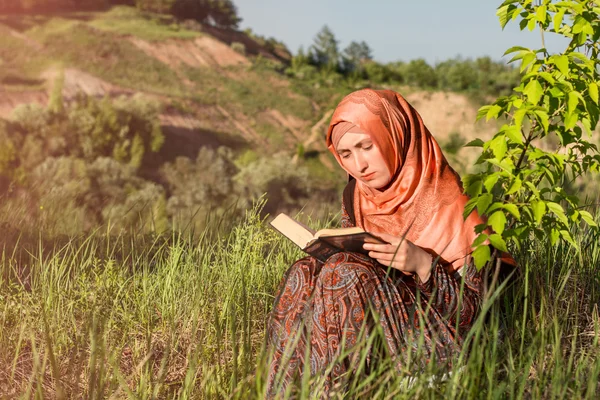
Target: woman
[{"x": 403, "y": 190}]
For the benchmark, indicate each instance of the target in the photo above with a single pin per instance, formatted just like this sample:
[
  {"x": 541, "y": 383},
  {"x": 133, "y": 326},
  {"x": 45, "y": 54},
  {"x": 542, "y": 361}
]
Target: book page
[
  {"x": 293, "y": 230},
  {"x": 338, "y": 231}
]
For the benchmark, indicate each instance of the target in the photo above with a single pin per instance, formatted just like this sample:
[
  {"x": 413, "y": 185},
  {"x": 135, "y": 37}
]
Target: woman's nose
[{"x": 361, "y": 163}]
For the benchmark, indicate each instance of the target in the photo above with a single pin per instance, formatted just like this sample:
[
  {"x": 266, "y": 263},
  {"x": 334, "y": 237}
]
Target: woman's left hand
[{"x": 402, "y": 255}]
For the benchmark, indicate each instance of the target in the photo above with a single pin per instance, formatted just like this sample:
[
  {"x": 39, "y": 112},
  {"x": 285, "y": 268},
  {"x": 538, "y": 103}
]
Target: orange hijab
[{"x": 424, "y": 199}]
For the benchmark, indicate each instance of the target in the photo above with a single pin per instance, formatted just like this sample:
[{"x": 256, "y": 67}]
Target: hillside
[
  {"x": 212, "y": 94},
  {"x": 232, "y": 120}
]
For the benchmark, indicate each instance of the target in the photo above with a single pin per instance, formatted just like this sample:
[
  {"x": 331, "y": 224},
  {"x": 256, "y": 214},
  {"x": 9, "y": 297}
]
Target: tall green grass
[{"x": 184, "y": 316}]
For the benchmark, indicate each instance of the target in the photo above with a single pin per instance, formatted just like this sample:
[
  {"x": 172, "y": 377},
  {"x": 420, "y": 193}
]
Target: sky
[{"x": 396, "y": 30}]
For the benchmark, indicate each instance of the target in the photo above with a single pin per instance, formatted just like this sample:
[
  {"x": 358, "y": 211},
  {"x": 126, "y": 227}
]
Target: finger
[
  {"x": 384, "y": 262},
  {"x": 389, "y": 238},
  {"x": 381, "y": 256},
  {"x": 382, "y": 248}
]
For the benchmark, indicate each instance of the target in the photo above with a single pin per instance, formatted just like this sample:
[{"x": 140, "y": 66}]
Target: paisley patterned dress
[{"x": 322, "y": 308}]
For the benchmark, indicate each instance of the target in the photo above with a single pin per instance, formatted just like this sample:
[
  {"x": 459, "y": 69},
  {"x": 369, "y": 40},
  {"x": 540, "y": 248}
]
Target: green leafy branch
[{"x": 546, "y": 138}]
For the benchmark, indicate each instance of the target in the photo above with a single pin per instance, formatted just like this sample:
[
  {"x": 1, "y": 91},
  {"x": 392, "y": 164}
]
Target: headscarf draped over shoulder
[{"x": 425, "y": 199}]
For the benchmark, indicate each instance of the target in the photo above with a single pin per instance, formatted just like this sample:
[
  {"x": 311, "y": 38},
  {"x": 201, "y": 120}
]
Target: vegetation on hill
[{"x": 221, "y": 13}]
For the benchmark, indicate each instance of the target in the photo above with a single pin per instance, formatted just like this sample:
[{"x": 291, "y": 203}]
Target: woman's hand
[{"x": 402, "y": 255}]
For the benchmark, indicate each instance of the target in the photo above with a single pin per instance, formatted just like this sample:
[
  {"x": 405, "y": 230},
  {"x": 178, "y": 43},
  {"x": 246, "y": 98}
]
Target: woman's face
[{"x": 363, "y": 160}]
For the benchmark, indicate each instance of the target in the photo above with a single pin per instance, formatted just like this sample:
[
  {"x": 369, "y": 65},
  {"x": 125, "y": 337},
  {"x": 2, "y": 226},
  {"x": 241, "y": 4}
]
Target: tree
[
  {"x": 354, "y": 55},
  {"x": 522, "y": 185},
  {"x": 325, "y": 51},
  {"x": 419, "y": 73},
  {"x": 456, "y": 75},
  {"x": 221, "y": 13}
]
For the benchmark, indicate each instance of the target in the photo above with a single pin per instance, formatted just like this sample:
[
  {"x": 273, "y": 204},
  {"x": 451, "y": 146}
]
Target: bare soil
[{"x": 200, "y": 52}]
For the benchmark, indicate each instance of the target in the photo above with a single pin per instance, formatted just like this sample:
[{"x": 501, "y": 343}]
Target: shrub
[
  {"x": 286, "y": 187},
  {"x": 239, "y": 47}
]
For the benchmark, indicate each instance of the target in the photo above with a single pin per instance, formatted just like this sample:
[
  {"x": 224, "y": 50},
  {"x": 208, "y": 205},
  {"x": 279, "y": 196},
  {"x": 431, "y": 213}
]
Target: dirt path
[{"x": 317, "y": 131}]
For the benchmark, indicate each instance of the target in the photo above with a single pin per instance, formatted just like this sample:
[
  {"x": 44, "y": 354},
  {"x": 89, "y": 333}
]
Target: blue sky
[{"x": 394, "y": 29}]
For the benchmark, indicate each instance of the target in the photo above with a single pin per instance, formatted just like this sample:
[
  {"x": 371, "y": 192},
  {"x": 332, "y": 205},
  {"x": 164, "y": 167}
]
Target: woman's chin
[{"x": 377, "y": 184}]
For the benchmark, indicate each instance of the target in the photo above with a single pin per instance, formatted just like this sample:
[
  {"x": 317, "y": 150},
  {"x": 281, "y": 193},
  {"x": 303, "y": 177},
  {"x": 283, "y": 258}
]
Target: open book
[{"x": 324, "y": 243}]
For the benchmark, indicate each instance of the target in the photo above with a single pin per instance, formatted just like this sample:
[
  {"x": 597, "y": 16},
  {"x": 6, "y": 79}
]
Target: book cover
[{"x": 326, "y": 242}]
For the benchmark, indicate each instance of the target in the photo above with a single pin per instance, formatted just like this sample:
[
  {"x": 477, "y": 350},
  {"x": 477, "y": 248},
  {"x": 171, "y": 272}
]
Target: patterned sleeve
[
  {"x": 346, "y": 223},
  {"x": 443, "y": 291}
]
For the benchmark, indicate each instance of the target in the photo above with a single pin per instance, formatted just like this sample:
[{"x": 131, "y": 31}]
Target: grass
[
  {"x": 114, "y": 59},
  {"x": 251, "y": 91},
  {"x": 148, "y": 26},
  {"x": 181, "y": 317},
  {"x": 19, "y": 61}
]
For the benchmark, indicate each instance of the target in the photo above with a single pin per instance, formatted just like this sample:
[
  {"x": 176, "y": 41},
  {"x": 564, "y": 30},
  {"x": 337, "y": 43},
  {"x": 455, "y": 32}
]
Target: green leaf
[
  {"x": 531, "y": 24},
  {"x": 479, "y": 240},
  {"x": 514, "y": 134},
  {"x": 542, "y": 117},
  {"x": 515, "y": 48},
  {"x": 558, "y": 211},
  {"x": 493, "y": 112},
  {"x": 554, "y": 236},
  {"x": 587, "y": 124},
  {"x": 505, "y": 12},
  {"x": 557, "y": 20},
  {"x": 483, "y": 202},
  {"x": 502, "y": 14},
  {"x": 547, "y": 77},
  {"x": 513, "y": 209},
  {"x": 593, "y": 90},
  {"x": 566, "y": 235},
  {"x": 474, "y": 188},
  {"x": 533, "y": 189},
  {"x": 533, "y": 91},
  {"x": 505, "y": 165},
  {"x": 481, "y": 255},
  {"x": 572, "y": 102},
  {"x": 498, "y": 242},
  {"x": 497, "y": 221},
  {"x": 490, "y": 181},
  {"x": 588, "y": 218},
  {"x": 482, "y": 112},
  {"x": 528, "y": 58},
  {"x": 518, "y": 116},
  {"x": 540, "y": 14},
  {"x": 570, "y": 120},
  {"x": 582, "y": 26},
  {"x": 475, "y": 143},
  {"x": 539, "y": 209},
  {"x": 577, "y": 56},
  {"x": 499, "y": 146},
  {"x": 562, "y": 63},
  {"x": 469, "y": 207},
  {"x": 515, "y": 186}
]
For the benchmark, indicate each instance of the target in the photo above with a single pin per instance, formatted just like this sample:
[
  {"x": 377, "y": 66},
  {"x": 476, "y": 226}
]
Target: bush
[
  {"x": 287, "y": 186},
  {"x": 124, "y": 129},
  {"x": 238, "y": 47},
  {"x": 199, "y": 187},
  {"x": 70, "y": 195}
]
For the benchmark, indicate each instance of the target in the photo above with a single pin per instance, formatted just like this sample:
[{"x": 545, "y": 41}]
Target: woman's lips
[{"x": 369, "y": 177}]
